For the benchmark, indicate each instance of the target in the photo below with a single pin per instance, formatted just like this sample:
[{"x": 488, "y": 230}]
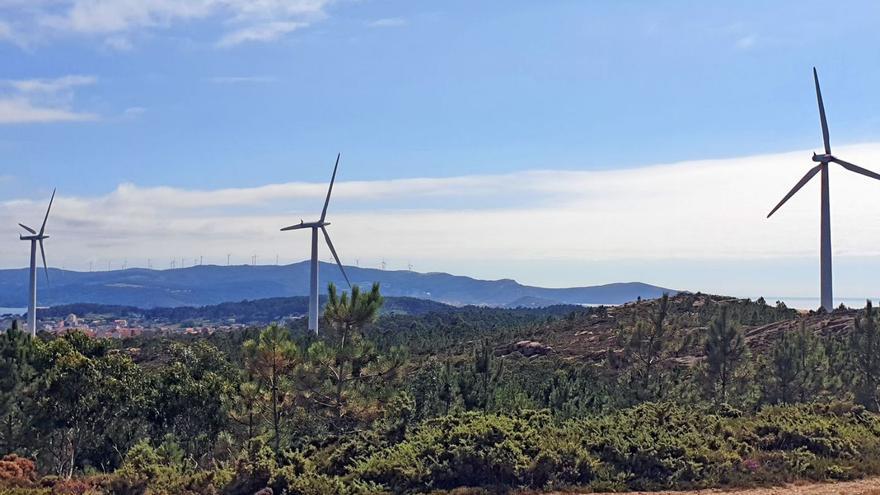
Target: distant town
[
  {"x": 118, "y": 321},
  {"x": 111, "y": 326}
]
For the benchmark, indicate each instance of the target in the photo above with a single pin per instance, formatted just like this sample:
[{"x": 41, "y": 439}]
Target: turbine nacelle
[
  {"x": 306, "y": 225},
  {"x": 32, "y": 237},
  {"x": 823, "y": 158}
]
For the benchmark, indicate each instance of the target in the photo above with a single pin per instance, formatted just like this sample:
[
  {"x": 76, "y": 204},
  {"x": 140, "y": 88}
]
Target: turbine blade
[
  {"x": 330, "y": 190},
  {"x": 813, "y": 171},
  {"x": 822, "y": 114},
  {"x": 855, "y": 168},
  {"x": 45, "y": 265},
  {"x": 335, "y": 256},
  {"x": 43, "y": 228},
  {"x": 25, "y": 227},
  {"x": 294, "y": 227}
]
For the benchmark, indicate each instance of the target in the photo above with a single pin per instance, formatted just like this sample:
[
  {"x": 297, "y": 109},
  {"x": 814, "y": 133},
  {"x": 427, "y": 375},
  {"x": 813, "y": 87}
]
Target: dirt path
[{"x": 870, "y": 486}]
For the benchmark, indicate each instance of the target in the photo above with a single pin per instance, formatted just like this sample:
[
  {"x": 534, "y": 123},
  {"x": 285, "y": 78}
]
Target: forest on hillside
[
  {"x": 247, "y": 311},
  {"x": 679, "y": 392}
]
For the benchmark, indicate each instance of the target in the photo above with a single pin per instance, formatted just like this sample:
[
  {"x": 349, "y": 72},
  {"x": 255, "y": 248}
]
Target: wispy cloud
[
  {"x": 133, "y": 112},
  {"x": 387, "y": 22},
  {"x": 22, "y": 111},
  {"x": 241, "y": 79},
  {"x": 118, "y": 43},
  {"x": 51, "y": 85},
  {"x": 269, "y": 31},
  {"x": 114, "y": 21},
  {"x": 747, "y": 42},
  {"x": 30, "y": 101},
  {"x": 6, "y": 31}
]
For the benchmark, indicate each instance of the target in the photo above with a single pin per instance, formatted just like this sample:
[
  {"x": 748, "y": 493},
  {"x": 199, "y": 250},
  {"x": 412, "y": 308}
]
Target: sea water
[{"x": 813, "y": 302}]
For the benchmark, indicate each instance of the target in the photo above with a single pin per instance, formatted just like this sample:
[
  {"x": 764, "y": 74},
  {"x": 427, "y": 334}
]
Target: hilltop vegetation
[{"x": 688, "y": 391}]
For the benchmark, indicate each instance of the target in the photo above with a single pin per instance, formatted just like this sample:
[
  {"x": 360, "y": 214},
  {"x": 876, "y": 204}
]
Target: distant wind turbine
[
  {"x": 321, "y": 225},
  {"x": 35, "y": 238},
  {"x": 825, "y": 231}
]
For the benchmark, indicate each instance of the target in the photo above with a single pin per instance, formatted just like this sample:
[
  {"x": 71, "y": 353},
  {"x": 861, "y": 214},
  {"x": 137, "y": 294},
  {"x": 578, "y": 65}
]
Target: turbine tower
[
  {"x": 321, "y": 224},
  {"x": 36, "y": 238},
  {"x": 825, "y": 209}
]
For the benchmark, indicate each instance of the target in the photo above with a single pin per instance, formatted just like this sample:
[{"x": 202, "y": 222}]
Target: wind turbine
[
  {"x": 321, "y": 224},
  {"x": 825, "y": 230},
  {"x": 35, "y": 238}
]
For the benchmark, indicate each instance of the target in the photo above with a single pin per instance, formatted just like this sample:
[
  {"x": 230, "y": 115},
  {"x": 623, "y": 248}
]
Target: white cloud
[
  {"x": 704, "y": 210},
  {"x": 51, "y": 85},
  {"x": 29, "y": 101},
  {"x": 115, "y": 20},
  {"x": 269, "y": 31},
  {"x": 388, "y": 22},
  {"x": 22, "y": 111}
]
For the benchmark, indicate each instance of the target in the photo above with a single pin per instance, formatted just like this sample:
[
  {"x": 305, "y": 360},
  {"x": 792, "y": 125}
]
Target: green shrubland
[{"x": 679, "y": 400}]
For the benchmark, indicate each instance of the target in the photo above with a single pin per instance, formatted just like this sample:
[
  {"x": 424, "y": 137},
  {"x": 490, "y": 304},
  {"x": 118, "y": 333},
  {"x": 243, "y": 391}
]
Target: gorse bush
[
  {"x": 460, "y": 450},
  {"x": 651, "y": 446},
  {"x": 664, "y": 445}
]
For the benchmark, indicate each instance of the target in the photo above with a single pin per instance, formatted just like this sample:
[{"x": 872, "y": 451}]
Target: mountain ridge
[{"x": 214, "y": 284}]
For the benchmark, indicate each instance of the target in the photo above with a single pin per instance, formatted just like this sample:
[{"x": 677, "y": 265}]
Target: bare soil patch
[{"x": 869, "y": 486}]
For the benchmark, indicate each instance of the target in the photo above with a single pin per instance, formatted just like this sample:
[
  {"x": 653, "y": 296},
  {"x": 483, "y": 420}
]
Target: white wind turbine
[
  {"x": 825, "y": 209},
  {"x": 35, "y": 238},
  {"x": 321, "y": 225}
]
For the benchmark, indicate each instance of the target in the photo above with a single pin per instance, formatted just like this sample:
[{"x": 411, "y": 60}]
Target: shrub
[
  {"x": 17, "y": 471},
  {"x": 664, "y": 445},
  {"x": 818, "y": 441},
  {"x": 469, "y": 449},
  {"x": 563, "y": 460}
]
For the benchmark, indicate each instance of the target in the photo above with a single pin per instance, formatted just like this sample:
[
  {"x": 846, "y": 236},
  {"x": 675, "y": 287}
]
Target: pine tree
[
  {"x": 649, "y": 347},
  {"x": 725, "y": 353},
  {"x": 797, "y": 366},
  {"x": 16, "y": 372},
  {"x": 865, "y": 352},
  {"x": 344, "y": 362},
  {"x": 478, "y": 382},
  {"x": 270, "y": 360}
]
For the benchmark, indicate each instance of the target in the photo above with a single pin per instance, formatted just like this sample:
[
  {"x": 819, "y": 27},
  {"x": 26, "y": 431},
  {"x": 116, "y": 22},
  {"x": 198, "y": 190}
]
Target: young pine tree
[
  {"x": 649, "y": 346},
  {"x": 725, "y": 353},
  {"x": 344, "y": 364},
  {"x": 270, "y": 360},
  {"x": 865, "y": 355},
  {"x": 797, "y": 366},
  {"x": 477, "y": 383}
]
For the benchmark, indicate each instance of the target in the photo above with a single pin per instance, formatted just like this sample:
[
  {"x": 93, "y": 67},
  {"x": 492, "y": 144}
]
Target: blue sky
[{"x": 217, "y": 94}]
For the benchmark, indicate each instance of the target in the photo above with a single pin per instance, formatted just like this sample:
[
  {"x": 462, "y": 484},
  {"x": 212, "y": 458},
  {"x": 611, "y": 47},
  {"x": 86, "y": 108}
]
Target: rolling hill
[{"x": 211, "y": 284}]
